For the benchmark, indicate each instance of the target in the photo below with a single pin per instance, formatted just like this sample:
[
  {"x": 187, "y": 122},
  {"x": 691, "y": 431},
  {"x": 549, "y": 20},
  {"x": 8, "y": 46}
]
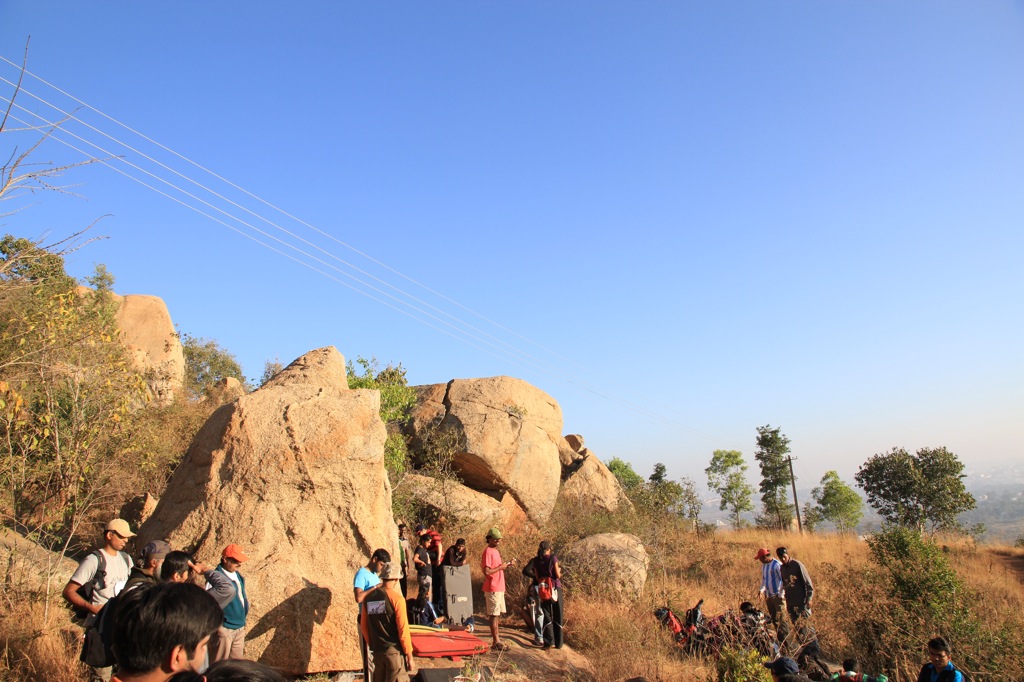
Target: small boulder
[
  {"x": 614, "y": 561},
  {"x": 591, "y": 484}
]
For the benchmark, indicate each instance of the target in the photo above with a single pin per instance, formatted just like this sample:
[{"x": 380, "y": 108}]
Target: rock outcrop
[
  {"x": 294, "y": 473},
  {"x": 148, "y": 334},
  {"x": 590, "y": 483},
  {"x": 504, "y": 434},
  {"x": 613, "y": 560},
  {"x": 466, "y": 512}
]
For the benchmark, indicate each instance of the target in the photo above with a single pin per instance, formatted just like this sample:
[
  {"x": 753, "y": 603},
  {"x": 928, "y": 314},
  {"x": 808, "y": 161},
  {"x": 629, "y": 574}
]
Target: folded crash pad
[{"x": 438, "y": 644}]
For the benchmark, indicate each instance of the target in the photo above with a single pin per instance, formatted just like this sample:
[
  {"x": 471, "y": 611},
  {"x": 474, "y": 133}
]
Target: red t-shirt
[{"x": 492, "y": 559}]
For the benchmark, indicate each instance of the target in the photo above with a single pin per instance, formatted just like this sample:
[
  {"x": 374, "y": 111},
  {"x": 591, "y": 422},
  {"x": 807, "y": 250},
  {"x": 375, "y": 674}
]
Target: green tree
[
  {"x": 726, "y": 477},
  {"x": 772, "y": 448},
  {"x": 397, "y": 399},
  {"x": 67, "y": 389},
  {"x": 836, "y": 502},
  {"x": 271, "y": 368},
  {"x": 623, "y": 471},
  {"x": 916, "y": 491},
  {"x": 206, "y": 363}
]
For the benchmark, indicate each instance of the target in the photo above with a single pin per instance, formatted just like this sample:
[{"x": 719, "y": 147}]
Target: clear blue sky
[{"x": 682, "y": 220}]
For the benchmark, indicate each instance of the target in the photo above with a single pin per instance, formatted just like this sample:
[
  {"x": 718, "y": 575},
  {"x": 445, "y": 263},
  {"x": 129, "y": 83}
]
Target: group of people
[
  {"x": 381, "y": 593},
  {"x": 145, "y": 620},
  {"x": 785, "y": 582}
]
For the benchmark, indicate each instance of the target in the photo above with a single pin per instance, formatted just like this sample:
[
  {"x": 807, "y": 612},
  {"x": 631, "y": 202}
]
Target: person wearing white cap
[{"x": 100, "y": 576}]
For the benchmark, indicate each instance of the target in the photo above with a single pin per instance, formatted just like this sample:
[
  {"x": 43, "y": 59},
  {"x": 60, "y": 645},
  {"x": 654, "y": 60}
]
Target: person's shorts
[{"x": 494, "y": 603}]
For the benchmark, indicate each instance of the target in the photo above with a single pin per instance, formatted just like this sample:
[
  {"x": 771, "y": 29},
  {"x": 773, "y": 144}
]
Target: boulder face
[
  {"x": 506, "y": 435},
  {"x": 294, "y": 473},
  {"x": 466, "y": 512},
  {"x": 615, "y": 561},
  {"x": 589, "y": 483},
  {"x": 149, "y": 337}
]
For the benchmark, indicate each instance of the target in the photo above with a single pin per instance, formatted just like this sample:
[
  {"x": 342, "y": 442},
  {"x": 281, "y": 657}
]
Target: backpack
[
  {"x": 544, "y": 590},
  {"x": 98, "y": 582},
  {"x": 530, "y": 569}
]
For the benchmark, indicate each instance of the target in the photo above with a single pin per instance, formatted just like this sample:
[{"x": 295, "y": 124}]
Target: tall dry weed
[{"x": 38, "y": 648}]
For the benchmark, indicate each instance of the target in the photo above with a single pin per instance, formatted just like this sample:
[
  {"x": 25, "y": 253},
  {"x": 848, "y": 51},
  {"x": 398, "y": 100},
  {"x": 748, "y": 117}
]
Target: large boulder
[
  {"x": 294, "y": 473},
  {"x": 504, "y": 435},
  {"x": 589, "y": 483},
  {"x": 148, "y": 334},
  {"x": 608, "y": 561}
]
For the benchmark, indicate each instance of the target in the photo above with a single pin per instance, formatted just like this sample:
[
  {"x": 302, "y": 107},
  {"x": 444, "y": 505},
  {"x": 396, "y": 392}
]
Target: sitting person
[{"x": 851, "y": 671}]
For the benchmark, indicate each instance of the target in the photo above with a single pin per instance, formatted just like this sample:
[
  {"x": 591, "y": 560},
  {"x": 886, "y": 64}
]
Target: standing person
[
  {"x": 229, "y": 642},
  {"x": 796, "y": 583},
  {"x": 365, "y": 582},
  {"x": 494, "y": 584},
  {"x": 405, "y": 554},
  {"x": 151, "y": 558},
  {"x": 385, "y": 627},
  {"x": 939, "y": 667},
  {"x": 771, "y": 592},
  {"x": 548, "y": 616},
  {"x": 456, "y": 554},
  {"x": 163, "y": 629},
  {"x": 99, "y": 577}
]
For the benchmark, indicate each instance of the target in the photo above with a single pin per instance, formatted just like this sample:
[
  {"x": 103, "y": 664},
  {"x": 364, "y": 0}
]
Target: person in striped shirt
[{"x": 771, "y": 592}]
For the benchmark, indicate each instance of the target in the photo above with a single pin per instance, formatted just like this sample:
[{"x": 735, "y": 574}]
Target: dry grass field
[{"x": 855, "y": 612}]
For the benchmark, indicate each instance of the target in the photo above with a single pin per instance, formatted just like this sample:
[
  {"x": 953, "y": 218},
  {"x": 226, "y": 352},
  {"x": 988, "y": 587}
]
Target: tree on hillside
[
  {"x": 623, "y": 471},
  {"x": 836, "y": 502},
  {"x": 206, "y": 363},
  {"x": 772, "y": 448},
  {"x": 660, "y": 495},
  {"x": 915, "y": 491},
  {"x": 726, "y": 477},
  {"x": 67, "y": 389}
]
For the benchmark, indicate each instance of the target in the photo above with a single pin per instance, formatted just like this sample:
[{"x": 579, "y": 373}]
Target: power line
[{"x": 510, "y": 352}]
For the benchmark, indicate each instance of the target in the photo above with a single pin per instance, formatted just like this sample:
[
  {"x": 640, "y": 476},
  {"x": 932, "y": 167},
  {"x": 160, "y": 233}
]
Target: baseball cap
[
  {"x": 234, "y": 552},
  {"x": 121, "y": 527},
  {"x": 494, "y": 534},
  {"x": 420, "y": 527},
  {"x": 783, "y": 666},
  {"x": 763, "y": 552},
  {"x": 157, "y": 549}
]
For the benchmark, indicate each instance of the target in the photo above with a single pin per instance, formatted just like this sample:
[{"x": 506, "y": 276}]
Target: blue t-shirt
[{"x": 365, "y": 579}]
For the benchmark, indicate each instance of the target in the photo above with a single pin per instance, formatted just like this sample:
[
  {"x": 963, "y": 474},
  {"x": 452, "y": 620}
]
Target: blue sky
[{"x": 682, "y": 220}]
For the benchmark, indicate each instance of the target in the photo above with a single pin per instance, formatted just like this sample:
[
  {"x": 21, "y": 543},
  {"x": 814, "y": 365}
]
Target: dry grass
[{"x": 37, "y": 645}]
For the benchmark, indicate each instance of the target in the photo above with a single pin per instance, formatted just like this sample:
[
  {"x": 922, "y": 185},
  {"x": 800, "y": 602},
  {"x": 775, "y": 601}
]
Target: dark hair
[
  {"x": 175, "y": 562},
  {"x": 747, "y": 607},
  {"x": 939, "y": 644},
  {"x": 424, "y": 539},
  {"x": 851, "y": 665},
  {"x": 233, "y": 670},
  {"x": 152, "y": 620},
  {"x": 381, "y": 555},
  {"x": 780, "y": 551}
]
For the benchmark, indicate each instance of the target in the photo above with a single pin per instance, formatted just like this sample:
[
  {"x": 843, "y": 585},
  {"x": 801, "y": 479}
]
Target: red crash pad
[{"x": 440, "y": 644}]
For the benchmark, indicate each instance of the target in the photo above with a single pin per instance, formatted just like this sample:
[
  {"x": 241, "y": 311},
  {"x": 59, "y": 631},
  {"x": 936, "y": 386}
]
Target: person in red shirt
[{"x": 494, "y": 584}]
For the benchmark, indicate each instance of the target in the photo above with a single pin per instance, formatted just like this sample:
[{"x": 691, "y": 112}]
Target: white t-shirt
[{"x": 117, "y": 569}]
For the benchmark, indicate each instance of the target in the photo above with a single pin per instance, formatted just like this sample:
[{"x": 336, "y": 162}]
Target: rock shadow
[{"x": 292, "y": 622}]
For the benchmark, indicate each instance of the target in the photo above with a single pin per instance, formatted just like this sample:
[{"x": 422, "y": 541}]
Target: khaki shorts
[{"x": 494, "y": 603}]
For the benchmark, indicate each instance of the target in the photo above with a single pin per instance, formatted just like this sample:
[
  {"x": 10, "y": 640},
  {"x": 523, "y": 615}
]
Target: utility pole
[{"x": 796, "y": 505}]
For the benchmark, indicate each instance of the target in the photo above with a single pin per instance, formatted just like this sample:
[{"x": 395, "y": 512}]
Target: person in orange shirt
[{"x": 384, "y": 624}]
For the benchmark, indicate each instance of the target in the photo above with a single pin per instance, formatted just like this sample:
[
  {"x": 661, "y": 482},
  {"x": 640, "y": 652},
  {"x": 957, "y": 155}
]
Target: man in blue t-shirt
[{"x": 366, "y": 581}]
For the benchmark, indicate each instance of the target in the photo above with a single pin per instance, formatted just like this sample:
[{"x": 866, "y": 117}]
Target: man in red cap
[{"x": 229, "y": 641}]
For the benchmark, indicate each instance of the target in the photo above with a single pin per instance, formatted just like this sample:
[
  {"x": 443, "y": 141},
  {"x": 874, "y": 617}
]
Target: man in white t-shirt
[{"x": 105, "y": 571}]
